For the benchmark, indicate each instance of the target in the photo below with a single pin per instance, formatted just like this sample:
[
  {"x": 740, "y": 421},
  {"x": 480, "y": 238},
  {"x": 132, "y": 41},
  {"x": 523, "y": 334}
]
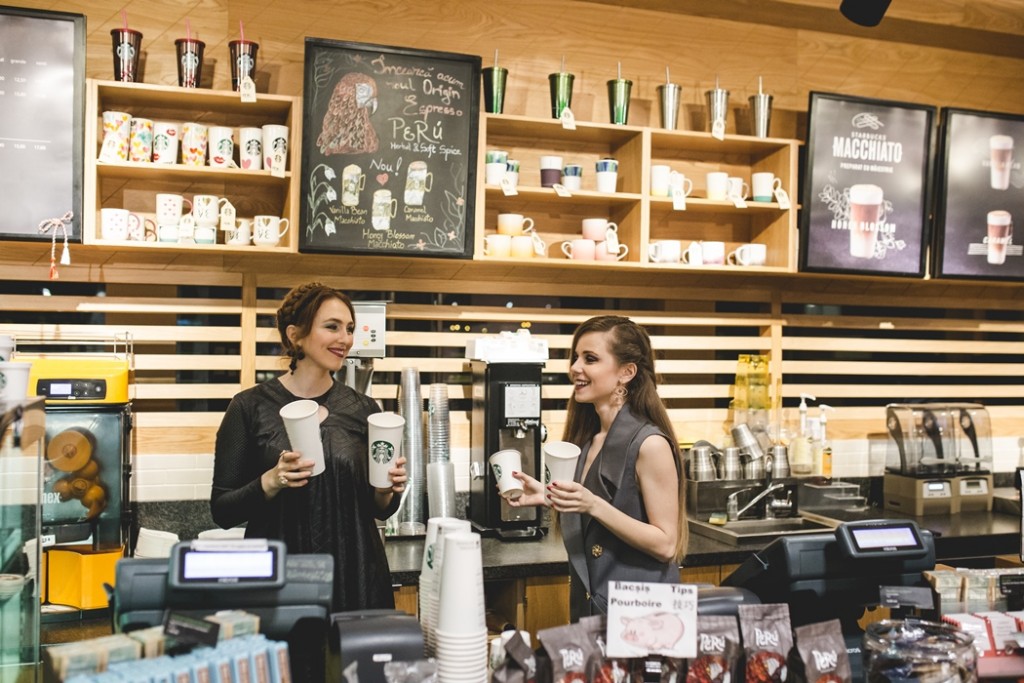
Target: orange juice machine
[
  {"x": 939, "y": 459},
  {"x": 88, "y": 428}
]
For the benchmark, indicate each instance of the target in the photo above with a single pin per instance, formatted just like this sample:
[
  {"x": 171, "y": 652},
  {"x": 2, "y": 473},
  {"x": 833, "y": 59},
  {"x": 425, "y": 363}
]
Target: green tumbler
[
  {"x": 495, "y": 78},
  {"x": 618, "y": 100},
  {"x": 561, "y": 92}
]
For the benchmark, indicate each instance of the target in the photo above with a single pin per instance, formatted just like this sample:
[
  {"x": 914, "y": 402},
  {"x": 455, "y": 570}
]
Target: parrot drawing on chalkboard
[{"x": 346, "y": 127}]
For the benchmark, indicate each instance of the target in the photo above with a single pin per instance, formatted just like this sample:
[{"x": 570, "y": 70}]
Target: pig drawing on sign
[{"x": 654, "y": 632}]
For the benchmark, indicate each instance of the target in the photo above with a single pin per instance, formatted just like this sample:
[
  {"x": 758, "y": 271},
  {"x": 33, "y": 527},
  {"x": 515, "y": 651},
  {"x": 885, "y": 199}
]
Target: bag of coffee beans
[
  {"x": 823, "y": 653},
  {"x": 718, "y": 650},
  {"x": 570, "y": 648},
  {"x": 767, "y": 640}
]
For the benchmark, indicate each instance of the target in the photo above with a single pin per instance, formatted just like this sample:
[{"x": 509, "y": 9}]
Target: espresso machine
[
  {"x": 506, "y": 414},
  {"x": 367, "y": 344},
  {"x": 939, "y": 459}
]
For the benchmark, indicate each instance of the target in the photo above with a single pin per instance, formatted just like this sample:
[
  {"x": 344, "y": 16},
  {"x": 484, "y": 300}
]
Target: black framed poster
[
  {"x": 42, "y": 86},
  {"x": 866, "y": 186},
  {"x": 981, "y": 196},
  {"x": 389, "y": 147}
]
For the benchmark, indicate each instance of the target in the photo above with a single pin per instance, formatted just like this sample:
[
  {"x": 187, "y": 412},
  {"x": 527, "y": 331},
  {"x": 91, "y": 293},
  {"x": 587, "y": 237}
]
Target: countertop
[{"x": 957, "y": 537}]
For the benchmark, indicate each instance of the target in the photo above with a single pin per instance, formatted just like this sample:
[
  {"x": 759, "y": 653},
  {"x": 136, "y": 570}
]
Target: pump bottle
[
  {"x": 825, "y": 445},
  {"x": 801, "y": 455}
]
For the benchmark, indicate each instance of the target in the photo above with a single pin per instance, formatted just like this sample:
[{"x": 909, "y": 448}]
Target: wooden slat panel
[
  {"x": 139, "y": 333},
  {"x": 916, "y": 346},
  {"x": 895, "y": 369}
]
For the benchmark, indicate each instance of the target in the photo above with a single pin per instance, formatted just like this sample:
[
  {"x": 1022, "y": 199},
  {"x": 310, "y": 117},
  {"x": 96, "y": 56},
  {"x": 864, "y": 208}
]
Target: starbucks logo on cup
[
  {"x": 430, "y": 555},
  {"x": 3, "y": 381},
  {"x": 547, "y": 475},
  {"x": 381, "y": 452},
  {"x": 497, "y": 470}
]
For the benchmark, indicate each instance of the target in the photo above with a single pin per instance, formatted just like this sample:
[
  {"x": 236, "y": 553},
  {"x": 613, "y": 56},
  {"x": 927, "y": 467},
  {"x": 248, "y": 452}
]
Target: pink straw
[
  {"x": 188, "y": 30},
  {"x": 124, "y": 18},
  {"x": 241, "y": 30}
]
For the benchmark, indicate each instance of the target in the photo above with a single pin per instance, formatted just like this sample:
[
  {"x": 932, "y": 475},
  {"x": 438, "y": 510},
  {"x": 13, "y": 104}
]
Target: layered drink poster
[
  {"x": 389, "y": 150},
  {"x": 865, "y": 189},
  {"x": 983, "y": 198}
]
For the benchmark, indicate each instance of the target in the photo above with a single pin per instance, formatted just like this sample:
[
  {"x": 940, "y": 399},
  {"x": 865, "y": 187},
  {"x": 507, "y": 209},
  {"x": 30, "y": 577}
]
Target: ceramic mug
[
  {"x": 169, "y": 208},
  {"x": 206, "y": 208},
  {"x": 521, "y": 246},
  {"x": 250, "y": 148},
  {"x": 266, "y": 230},
  {"x": 167, "y": 233},
  {"x": 597, "y": 228},
  {"x": 114, "y": 224},
  {"x": 694, "y": 254},
  {"x": 764, "y": 185},
  {"x": 661, "y": 175},
  {"x": 713, "y": 253},
  {"x": 275, "y": 142},
  {"x": 604, "y": 251},
  {"x": 222, "y": 146},
  {"x": 205, "y": 234},
  {"x": 117, "y": 126},
  {"x": 498, "y": 246},
  {"x": 717, "y": 185},
  {"x": 193, "y": 144},
  {"x": 665, "y": 251},
  {"x": 166, "y": 135},
  {"x": 141, "y": 229},
  {"x": 241, "y": 234},
  {"x": 141, "y": 140},
  {"x": 753, "y": 254},
  {"x": 580, "y": 249},
  {"x": 514, "y": 224},
  {"x": 738, "y": 188}
]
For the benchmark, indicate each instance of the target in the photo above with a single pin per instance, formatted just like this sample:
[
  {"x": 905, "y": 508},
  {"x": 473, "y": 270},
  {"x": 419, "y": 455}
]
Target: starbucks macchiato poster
[
  {"x": 865, "y": 188},
  {"x": 388, "y": 150},
  {"x": 980, "y": 207}
]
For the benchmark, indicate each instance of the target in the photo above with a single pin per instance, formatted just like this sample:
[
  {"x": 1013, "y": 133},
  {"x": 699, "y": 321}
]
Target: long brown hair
[
  {"x": 629, "y": 343},
  {"x": 299, "y": 308}
]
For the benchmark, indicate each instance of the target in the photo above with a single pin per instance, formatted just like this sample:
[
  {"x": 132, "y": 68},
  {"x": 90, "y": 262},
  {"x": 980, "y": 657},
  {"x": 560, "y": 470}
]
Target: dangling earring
[{"x": 619, "y": 395}]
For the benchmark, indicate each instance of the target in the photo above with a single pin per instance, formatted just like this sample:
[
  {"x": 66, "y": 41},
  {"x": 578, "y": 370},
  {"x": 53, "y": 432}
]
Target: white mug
[
  {"x": 193, "y": 144},
  {"x": 250, "y": 148},
  {"x": 753, "y": 254},
  {"x": 580, "y": 249},
  {"x": 166, "y": 135},
  {"x": 206, "y": 208},
  {"x": 604, "y": 252},
  {"x": 678, "y": 181},
  {"x": 275, "y": 141},
  {"x": 763, "y": 186},
  {"x": 222, "y": 146},
  {"x": 169, "y": 208},
  {"x": 141, "y": 229},
  {"x": 242, "y": 232},
  {"x": 718, "y": 185},
  {"x": 738, "y": 188},
  {"x": 498, "y": 246},
  {"x": 607, "y": 181},
  {"x": 514, "y": 223},
  {"x": 694, "y": 254},
  {"x": 597, "y": 228},
  {"x": 494, "y": 172},
  {"x": 521, "y": 246},
  {"x": 205, "y": 234},
  {"x": 666, "y": 251},
  {"x": 266, "y": 230},
  {"x": 713, "y": 253},
  {"x": 114, "y": 224},
  {"x": 660, "y": 180},
  {"x": 167, "y": 233}
]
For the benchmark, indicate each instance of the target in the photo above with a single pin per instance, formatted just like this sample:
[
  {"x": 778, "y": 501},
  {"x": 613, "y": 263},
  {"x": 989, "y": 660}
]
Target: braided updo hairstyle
[{"x": 299, "y": 308}]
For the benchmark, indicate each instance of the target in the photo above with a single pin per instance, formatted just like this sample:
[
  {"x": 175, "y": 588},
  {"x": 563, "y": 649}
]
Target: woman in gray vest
[{"x": 623, "y": 515}]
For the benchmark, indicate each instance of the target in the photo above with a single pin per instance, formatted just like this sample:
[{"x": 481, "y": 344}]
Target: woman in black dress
[{"x": 258, "y": 480}]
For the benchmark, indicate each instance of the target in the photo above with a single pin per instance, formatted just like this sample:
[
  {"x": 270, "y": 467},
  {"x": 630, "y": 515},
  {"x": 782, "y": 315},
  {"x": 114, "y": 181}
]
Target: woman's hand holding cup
[
  {"x": 398, "y": 475},
  {"x": 291, "y": 471},
  {"x": 533, "y": 492}
]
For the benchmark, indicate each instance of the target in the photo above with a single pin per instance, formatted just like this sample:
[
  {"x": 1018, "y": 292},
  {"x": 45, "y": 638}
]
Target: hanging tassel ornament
[{"x": 55, "y": 224}]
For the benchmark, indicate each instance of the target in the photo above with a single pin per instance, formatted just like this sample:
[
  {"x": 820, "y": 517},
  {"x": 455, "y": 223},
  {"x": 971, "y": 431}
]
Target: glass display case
[{"x": 22, "y": 426}]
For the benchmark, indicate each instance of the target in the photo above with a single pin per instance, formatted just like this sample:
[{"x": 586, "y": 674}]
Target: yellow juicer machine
[{"x": 70, "y": 377}]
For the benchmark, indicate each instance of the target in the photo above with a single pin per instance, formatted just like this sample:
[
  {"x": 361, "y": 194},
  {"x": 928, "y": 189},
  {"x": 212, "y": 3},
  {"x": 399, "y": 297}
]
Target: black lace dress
[{"x": 332, "y": 514}]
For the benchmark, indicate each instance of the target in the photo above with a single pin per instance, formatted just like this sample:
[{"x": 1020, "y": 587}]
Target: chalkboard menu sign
[
  {"x": 981, "y": 196},
  {"x": 866, "y": 186},
  {"x": 42, "y": 84},
  {"x": 389, "y": 148}
]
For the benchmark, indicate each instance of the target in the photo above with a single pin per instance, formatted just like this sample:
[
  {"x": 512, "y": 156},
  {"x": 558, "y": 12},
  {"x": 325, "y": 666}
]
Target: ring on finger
[{"x": 283, "y": 479}]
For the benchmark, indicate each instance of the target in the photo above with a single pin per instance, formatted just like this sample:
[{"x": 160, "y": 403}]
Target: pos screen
[
  {"x": 880, "y": 538},
  {"x": 245, "y": 565}
]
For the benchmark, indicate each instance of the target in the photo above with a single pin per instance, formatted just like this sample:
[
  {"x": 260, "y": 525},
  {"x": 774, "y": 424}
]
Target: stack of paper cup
[
  {"x": 412, "y": 513},
  {"x": 441, "y": 489},
  {"x": 461, "y": 628},
  {"x": 433, "y": 555},
  {"x": 439, "y": 424},
  {"x": 153, "y": 543}
]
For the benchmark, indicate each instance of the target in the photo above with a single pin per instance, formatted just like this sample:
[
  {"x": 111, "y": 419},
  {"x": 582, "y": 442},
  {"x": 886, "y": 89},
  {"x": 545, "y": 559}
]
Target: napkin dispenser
[{"x": 372, "y": 638}]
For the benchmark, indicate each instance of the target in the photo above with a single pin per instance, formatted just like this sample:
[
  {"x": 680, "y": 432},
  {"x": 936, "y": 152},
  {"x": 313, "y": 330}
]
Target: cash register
[
  {"x": 838, "y": 574},
  {"x": 291, "y": 595}
]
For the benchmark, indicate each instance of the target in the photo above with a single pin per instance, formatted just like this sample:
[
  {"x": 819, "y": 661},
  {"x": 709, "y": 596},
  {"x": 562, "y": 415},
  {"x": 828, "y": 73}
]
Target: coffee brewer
[
  {"x": 506, "y": 414},
  {"x": 939, "y": 459}
]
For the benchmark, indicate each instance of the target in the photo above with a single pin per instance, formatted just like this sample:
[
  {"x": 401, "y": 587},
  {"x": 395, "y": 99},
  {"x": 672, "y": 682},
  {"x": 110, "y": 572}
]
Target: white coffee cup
[
  {"x": 14, "y": 380},
  {"x": 665, "y": 251},
  {"x": 514, "y": 224},
  {"x": 460, "y": 612},
  {"x": 597, "y": 228},
  {"x": 302, "y": 424},
  {"x": 205, "y": 234},
  {"x": 275, "y": 141},
  {"x": 560, "y": 458},
  {"x": 206, "y": 208},
  {"x": 738, "y": 188},
  {"x": 169, "y": 208},
  {"x": 166, "y": 135},
  {"x": 753, "y": 254},
  {"x": 250, "y": 148},
  {"x": 525, "y": 245},
  {"x": 494, "y": 172},
  {"x": 607, "y": 181},
  {"x": 503, "y": 464},
  {"x": 241, "y": 234},
  {"x": 114, "y": 224},
  {"x": 678, "y": 181},
  {"x": 605, "y": 251},
  {"x": 384, "y": 441},
  {"x": 580, "y": 249},
  {"x": 222, "y": 146},
  {"x": 717, "y": 185},
  {"x": 661, "y": 175},
  {"x": 266, "y": 230},
  {"x": 498, "y": 246},
  {"x": 763, "y": 186}
]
